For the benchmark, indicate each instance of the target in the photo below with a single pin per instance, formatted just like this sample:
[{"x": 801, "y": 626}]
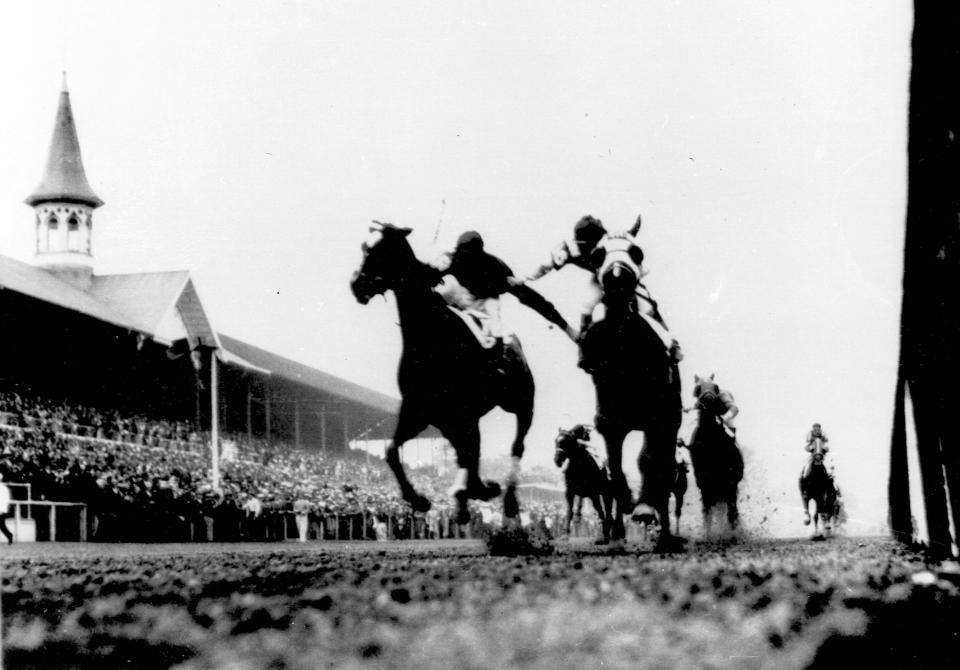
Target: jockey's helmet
[
  {"x": 588, "y": 231},
  {"x": 470, "y": 242}
]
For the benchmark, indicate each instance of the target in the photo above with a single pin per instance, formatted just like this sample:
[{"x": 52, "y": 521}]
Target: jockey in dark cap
[
  {"x": 587, "y": 235},
  {"x": 481, "y": 278}
]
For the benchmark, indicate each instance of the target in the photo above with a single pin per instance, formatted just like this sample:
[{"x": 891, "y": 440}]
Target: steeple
[
  {"x": 64, "y": 179},
  {"x": 64, "y": 204}
]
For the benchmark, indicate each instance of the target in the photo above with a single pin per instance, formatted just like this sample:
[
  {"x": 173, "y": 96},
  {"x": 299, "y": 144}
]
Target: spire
[{"x": 64, "y": 179}]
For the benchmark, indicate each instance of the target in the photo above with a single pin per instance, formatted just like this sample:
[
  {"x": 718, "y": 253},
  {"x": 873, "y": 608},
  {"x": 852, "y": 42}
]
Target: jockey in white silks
[{"x": 589, "y": 235}]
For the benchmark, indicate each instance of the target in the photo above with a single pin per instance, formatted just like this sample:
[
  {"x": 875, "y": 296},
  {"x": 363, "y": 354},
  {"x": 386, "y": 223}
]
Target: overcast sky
[{"x": 251, "y": 142}]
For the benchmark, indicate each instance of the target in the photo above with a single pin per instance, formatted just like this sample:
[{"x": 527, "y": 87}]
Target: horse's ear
[
  {"x": 711, "y": 376},
  {"x": 404, "y": 231},
  {"x": 376, "y": 226},
  {"x": 696, "y": 379}
]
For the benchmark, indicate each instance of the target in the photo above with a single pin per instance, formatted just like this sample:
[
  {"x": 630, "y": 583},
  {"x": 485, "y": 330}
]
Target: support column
[
  {"x": 249, "y": 413},
  {"x": 214, "y": 421},
  {"x": 266, "y": 405},
  {"x": 323, "y": 428},
  {"x": 296, "y": 422}
]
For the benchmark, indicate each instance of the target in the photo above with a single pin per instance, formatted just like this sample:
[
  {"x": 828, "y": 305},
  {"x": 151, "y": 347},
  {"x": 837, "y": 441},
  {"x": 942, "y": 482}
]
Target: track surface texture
[{"x": 449, "y": 604}]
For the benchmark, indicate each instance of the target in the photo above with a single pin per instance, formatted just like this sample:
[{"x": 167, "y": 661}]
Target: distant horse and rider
[
  {"x": 585, "y": 478},
  {"x": 448, "y": 377},
  {"x": 716, "y": 458},
  {"x": 817, "y": 486}
]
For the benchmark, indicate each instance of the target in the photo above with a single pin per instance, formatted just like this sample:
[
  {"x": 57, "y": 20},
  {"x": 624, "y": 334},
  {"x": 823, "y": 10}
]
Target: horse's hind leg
[
  {"x": 409, "y": 424},
  {"x": 570, "y": 497},
  {"x": 604, "y": 513},
  {"x": 521, "y": 405},
  {"x": 733, "y": 511},
  {"x": 467, "y": 485}
]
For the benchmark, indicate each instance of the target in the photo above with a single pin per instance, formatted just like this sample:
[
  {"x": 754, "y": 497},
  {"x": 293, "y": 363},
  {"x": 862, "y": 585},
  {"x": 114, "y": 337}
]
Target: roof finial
[{"x": 63, "y": 89}]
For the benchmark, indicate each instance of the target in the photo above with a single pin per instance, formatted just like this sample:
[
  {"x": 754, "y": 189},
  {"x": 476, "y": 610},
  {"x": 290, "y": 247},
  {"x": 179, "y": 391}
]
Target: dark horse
[
  {"x": 584, "y": 478},
  {"x": 817, "y": 485},
  {"x": 717, "y": 461},
  {"x": 446, "y": 378},
  {"x": 638, "y": 388}
]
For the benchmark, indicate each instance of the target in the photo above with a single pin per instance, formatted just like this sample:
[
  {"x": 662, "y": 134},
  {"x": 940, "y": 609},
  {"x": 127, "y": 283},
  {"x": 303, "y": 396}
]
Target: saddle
[{"x": 477, "y": 323}]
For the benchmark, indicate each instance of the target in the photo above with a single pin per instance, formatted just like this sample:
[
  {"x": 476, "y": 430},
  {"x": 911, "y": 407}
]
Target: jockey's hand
[
  {"x": 514, "y": 281},
  {"x": 560, "y": 255},
  {"x": 442, "y": 262}
]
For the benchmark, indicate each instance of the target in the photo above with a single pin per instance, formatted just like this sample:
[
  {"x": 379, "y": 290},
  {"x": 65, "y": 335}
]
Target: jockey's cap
[
  {"x": 470, "y": 241},
  {"x": 588, "y": 230}
]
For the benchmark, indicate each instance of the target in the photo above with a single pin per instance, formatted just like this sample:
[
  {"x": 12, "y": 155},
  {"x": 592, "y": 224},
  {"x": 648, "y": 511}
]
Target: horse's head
[
  {"x": 569, "y": 440},
  {"x": 707, "y": 393},
  {"x": 618, "y": 261},
  {"x": 383, "y": 251}
]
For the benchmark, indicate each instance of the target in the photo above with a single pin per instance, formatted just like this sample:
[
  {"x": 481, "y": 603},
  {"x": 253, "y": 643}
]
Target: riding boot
[{"x": 497, "y": 352}]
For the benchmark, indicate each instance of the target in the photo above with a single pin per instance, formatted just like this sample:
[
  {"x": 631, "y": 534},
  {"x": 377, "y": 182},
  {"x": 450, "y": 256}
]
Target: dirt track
[{"x": 754, "y": 604}]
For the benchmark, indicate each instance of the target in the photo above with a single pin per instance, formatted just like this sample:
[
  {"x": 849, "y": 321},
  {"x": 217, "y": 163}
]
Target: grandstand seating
[{"x": 149, "y": 480}]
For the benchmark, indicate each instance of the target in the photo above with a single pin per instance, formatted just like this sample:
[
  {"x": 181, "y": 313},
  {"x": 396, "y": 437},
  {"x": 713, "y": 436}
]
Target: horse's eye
[{"x": 636, "y": 255}]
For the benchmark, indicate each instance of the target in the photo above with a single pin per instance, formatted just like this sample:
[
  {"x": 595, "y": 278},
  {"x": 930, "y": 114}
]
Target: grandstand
[{"x": 114, "y": 387}]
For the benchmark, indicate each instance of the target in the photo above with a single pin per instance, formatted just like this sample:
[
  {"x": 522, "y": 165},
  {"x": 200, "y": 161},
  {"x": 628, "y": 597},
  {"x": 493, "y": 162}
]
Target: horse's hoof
[
  {"x": 643, "y": 513},
  {"x": 806, "y": 519},
  {"x": 418, "y": 502},
  {"x": 600, "y": 541},
  {"x": 486, "y": 490},
  {"x": 670, "y": 544},
  {"x": 463, "y": 511}
]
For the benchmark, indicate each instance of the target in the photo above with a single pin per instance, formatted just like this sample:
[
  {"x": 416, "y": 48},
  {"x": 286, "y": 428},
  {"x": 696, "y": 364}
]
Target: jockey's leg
[{"x": 409, "y": 424}]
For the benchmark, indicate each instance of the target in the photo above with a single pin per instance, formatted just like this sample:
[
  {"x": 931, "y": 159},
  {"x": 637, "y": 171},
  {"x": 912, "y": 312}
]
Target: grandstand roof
[
  {"x": 40, "y": 284},
  {"x": 304, "y": 374},
  {"x": 64, "y": 178}
]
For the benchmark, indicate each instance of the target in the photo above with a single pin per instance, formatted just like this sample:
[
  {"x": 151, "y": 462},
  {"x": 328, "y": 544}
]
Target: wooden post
[
  {"x": 296, "y": 422},
  {"x": 323, "y": 428},
  {"x": 83, "y": 523},
  {"x": 214, "y": 421},
  {"x": 336, "y": 518},
  {"x": 53, "y": 523},
  {"x": 266, "y": 404},
  {"x": 249, "y": 413}
]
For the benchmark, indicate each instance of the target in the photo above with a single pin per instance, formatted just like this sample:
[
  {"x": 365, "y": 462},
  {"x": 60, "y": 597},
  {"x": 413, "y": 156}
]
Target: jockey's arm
[
  {"x": 542, "y": 306},
  {"x": 558, "y": 258}
]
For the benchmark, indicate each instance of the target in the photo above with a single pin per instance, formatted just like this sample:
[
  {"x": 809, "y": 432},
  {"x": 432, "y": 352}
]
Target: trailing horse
[
  {"x": 584, "y": 477},
  {"x": 817, "y": 486},
  {"x": 717, "y": 461},
  {"x": 637, "y": 386},
  {"x": 446, "y": 378}
]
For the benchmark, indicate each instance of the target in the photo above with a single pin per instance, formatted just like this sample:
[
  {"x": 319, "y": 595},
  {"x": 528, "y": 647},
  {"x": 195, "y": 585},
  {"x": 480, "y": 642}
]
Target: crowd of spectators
[{"x": 150, "y": 480}]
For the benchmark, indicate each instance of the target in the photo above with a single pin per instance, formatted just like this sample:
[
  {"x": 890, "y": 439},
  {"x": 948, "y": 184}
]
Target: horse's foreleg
[
  {"x": 408, "y": 426},
  {"x": 622, "y": 497},
  {"x": 570, "y": 497}
]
